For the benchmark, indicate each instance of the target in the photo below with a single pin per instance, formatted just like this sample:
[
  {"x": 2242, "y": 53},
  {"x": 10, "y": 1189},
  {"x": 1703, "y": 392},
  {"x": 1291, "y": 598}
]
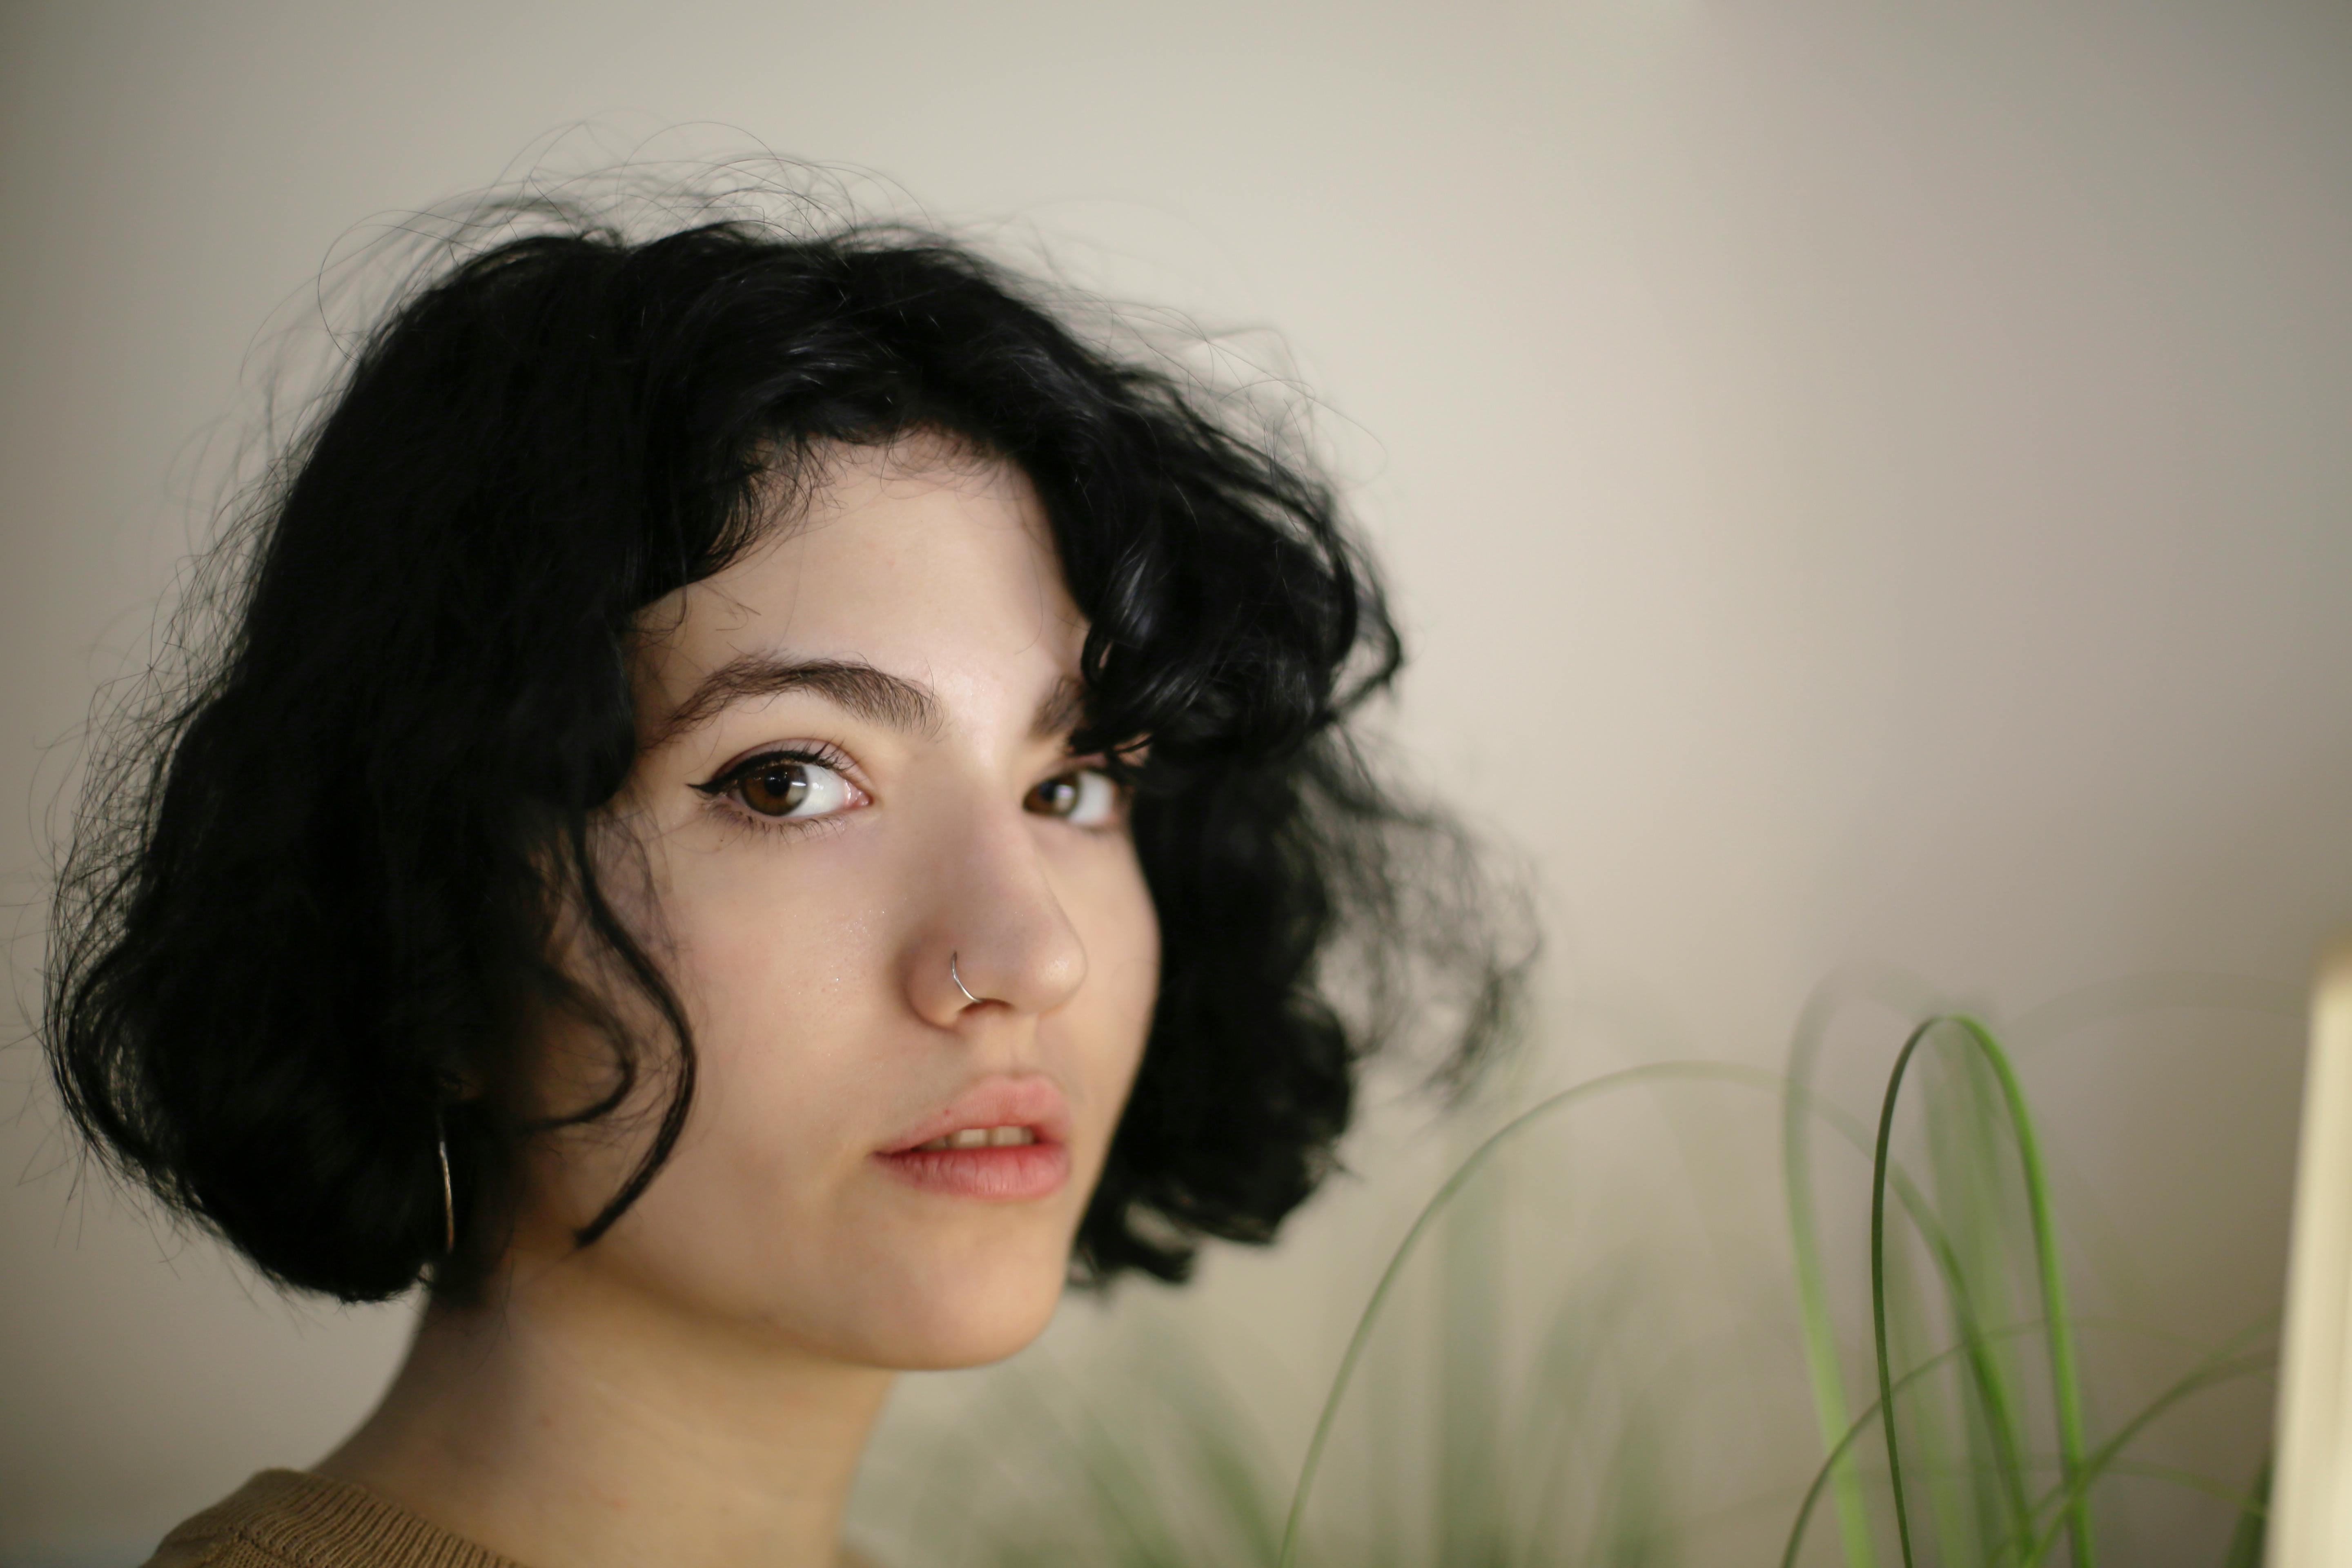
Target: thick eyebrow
[{"x": 871, "y": 694}]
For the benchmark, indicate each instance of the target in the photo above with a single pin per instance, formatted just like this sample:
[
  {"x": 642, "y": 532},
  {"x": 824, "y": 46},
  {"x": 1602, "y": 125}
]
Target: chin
[{"x": 964, "y": 1315}]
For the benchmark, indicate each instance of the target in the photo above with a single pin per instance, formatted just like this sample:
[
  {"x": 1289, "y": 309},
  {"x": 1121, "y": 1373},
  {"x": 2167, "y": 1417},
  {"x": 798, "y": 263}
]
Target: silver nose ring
[{"x": 958, "y": 982}]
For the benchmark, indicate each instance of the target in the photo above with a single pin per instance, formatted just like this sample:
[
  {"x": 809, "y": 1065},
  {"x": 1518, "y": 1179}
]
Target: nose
[{"x": 995, "y": 938}]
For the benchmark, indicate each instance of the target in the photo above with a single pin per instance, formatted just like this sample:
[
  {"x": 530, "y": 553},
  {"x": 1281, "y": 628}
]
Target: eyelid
[
  {"x": 1122, "y": 789},
  {"x": 821, "y": 754},
  {"x": 1096, "y": 763},
  {"x": 1123, "y": 767},
  {"x": 719, "y": 791}
]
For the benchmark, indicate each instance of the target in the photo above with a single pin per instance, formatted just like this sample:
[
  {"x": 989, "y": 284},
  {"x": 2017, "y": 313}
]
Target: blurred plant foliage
[{"x": 1527, "y": 1388}]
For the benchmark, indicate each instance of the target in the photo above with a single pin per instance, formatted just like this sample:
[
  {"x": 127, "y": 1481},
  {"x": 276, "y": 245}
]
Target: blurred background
[{"x": 1869, "y": 487}]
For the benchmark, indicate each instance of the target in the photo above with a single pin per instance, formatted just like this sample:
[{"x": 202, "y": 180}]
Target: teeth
[{"x": 983, "y": 1138}]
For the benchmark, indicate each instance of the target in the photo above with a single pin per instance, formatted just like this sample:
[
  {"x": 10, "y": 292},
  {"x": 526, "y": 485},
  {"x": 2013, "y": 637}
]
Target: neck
[{"x": 570, "y": 1421}]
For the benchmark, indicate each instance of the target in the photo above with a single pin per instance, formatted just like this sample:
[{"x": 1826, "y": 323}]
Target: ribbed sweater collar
[{"x": 321, "y": 1523}]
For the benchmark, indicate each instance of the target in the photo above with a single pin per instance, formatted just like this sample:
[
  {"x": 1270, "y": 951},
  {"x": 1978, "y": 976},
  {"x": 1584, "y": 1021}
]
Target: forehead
[{"x": 918, "y": 560}]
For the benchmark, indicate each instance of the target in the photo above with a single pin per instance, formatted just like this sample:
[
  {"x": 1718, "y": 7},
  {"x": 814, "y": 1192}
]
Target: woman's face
[{"x": 856, "y": 791}]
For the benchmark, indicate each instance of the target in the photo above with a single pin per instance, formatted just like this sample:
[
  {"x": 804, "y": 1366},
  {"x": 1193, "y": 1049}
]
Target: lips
[{"x": 1003, "y": 1139}]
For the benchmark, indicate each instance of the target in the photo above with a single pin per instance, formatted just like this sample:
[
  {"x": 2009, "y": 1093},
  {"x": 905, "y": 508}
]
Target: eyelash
[
  {"x": 1121, "y": 785},
  {"x": 719, "y": 790}
]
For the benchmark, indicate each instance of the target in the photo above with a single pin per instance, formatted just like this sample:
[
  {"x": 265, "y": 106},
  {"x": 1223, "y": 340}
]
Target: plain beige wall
[{"x": 1868, "y": 484}]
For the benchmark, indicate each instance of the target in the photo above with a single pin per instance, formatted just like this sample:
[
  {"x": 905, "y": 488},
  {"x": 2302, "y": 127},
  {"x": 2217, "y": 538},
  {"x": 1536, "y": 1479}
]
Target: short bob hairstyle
[{"x": 304, "y": 926}]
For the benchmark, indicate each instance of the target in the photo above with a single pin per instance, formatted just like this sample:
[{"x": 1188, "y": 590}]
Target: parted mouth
[
  {"x": 981, "y": 1138},
  {"x": 1005, "y": 1111},
  {"x": 1003, "y": 1139}
]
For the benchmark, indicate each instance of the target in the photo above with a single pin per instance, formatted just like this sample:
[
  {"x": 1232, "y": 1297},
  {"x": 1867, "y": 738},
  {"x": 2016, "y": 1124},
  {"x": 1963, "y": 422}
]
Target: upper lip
[{"x": 1029, "y": 1099}]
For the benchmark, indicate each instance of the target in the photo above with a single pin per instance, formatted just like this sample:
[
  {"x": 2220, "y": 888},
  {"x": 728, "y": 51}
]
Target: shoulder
[
  {"x": 288, "y": 1519},
  {"x": 217, "y": 1537}
]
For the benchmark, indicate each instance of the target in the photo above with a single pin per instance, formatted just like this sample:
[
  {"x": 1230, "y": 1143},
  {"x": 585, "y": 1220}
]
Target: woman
[{"x": 764, "y": 804}]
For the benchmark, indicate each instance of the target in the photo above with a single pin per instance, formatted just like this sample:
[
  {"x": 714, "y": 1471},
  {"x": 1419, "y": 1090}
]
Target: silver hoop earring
[
  {"x": 958, "y": 982},
  {"x": 448, "y": 1195}
]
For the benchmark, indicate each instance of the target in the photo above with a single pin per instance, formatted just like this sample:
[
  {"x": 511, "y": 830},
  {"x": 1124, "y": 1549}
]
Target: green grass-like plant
[{"x": 1980, "y": 1414}]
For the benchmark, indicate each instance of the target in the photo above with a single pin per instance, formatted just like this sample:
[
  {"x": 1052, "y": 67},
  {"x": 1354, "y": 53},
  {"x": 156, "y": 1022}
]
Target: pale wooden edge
[{"x": 2310, "y": 1523}]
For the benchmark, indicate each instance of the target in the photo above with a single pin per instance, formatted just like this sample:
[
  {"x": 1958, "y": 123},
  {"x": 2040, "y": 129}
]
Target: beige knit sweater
[
  {"x": 286, "y": 1518},
  {"x": 289, "y": 1519}
]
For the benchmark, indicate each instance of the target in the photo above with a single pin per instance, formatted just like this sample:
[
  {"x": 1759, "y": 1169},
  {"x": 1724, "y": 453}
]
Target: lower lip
[{"x": 1009, "y": 1174}]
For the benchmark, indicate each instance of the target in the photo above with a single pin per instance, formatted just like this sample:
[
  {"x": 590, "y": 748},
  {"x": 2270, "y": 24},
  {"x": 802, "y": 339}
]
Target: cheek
[
  {"x": 777, "y": 970},
  {"x": 784, "y": 975},
  {"x": 1106, "y": 1028},
  {"x": 771, "y": 943}
]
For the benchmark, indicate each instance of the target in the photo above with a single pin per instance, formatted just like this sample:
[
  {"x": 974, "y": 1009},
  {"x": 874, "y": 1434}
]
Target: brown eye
[
  {"x": 1086, "y": 797},
  {"x": 777, "y": 788},
  {"x": 1054, "y": 797},
  {"x": 779, "y": 785}
]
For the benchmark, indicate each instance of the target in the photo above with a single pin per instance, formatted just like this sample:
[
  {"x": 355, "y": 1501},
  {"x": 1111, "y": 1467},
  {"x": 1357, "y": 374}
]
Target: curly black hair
[{"x": 313, "y": 881}]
